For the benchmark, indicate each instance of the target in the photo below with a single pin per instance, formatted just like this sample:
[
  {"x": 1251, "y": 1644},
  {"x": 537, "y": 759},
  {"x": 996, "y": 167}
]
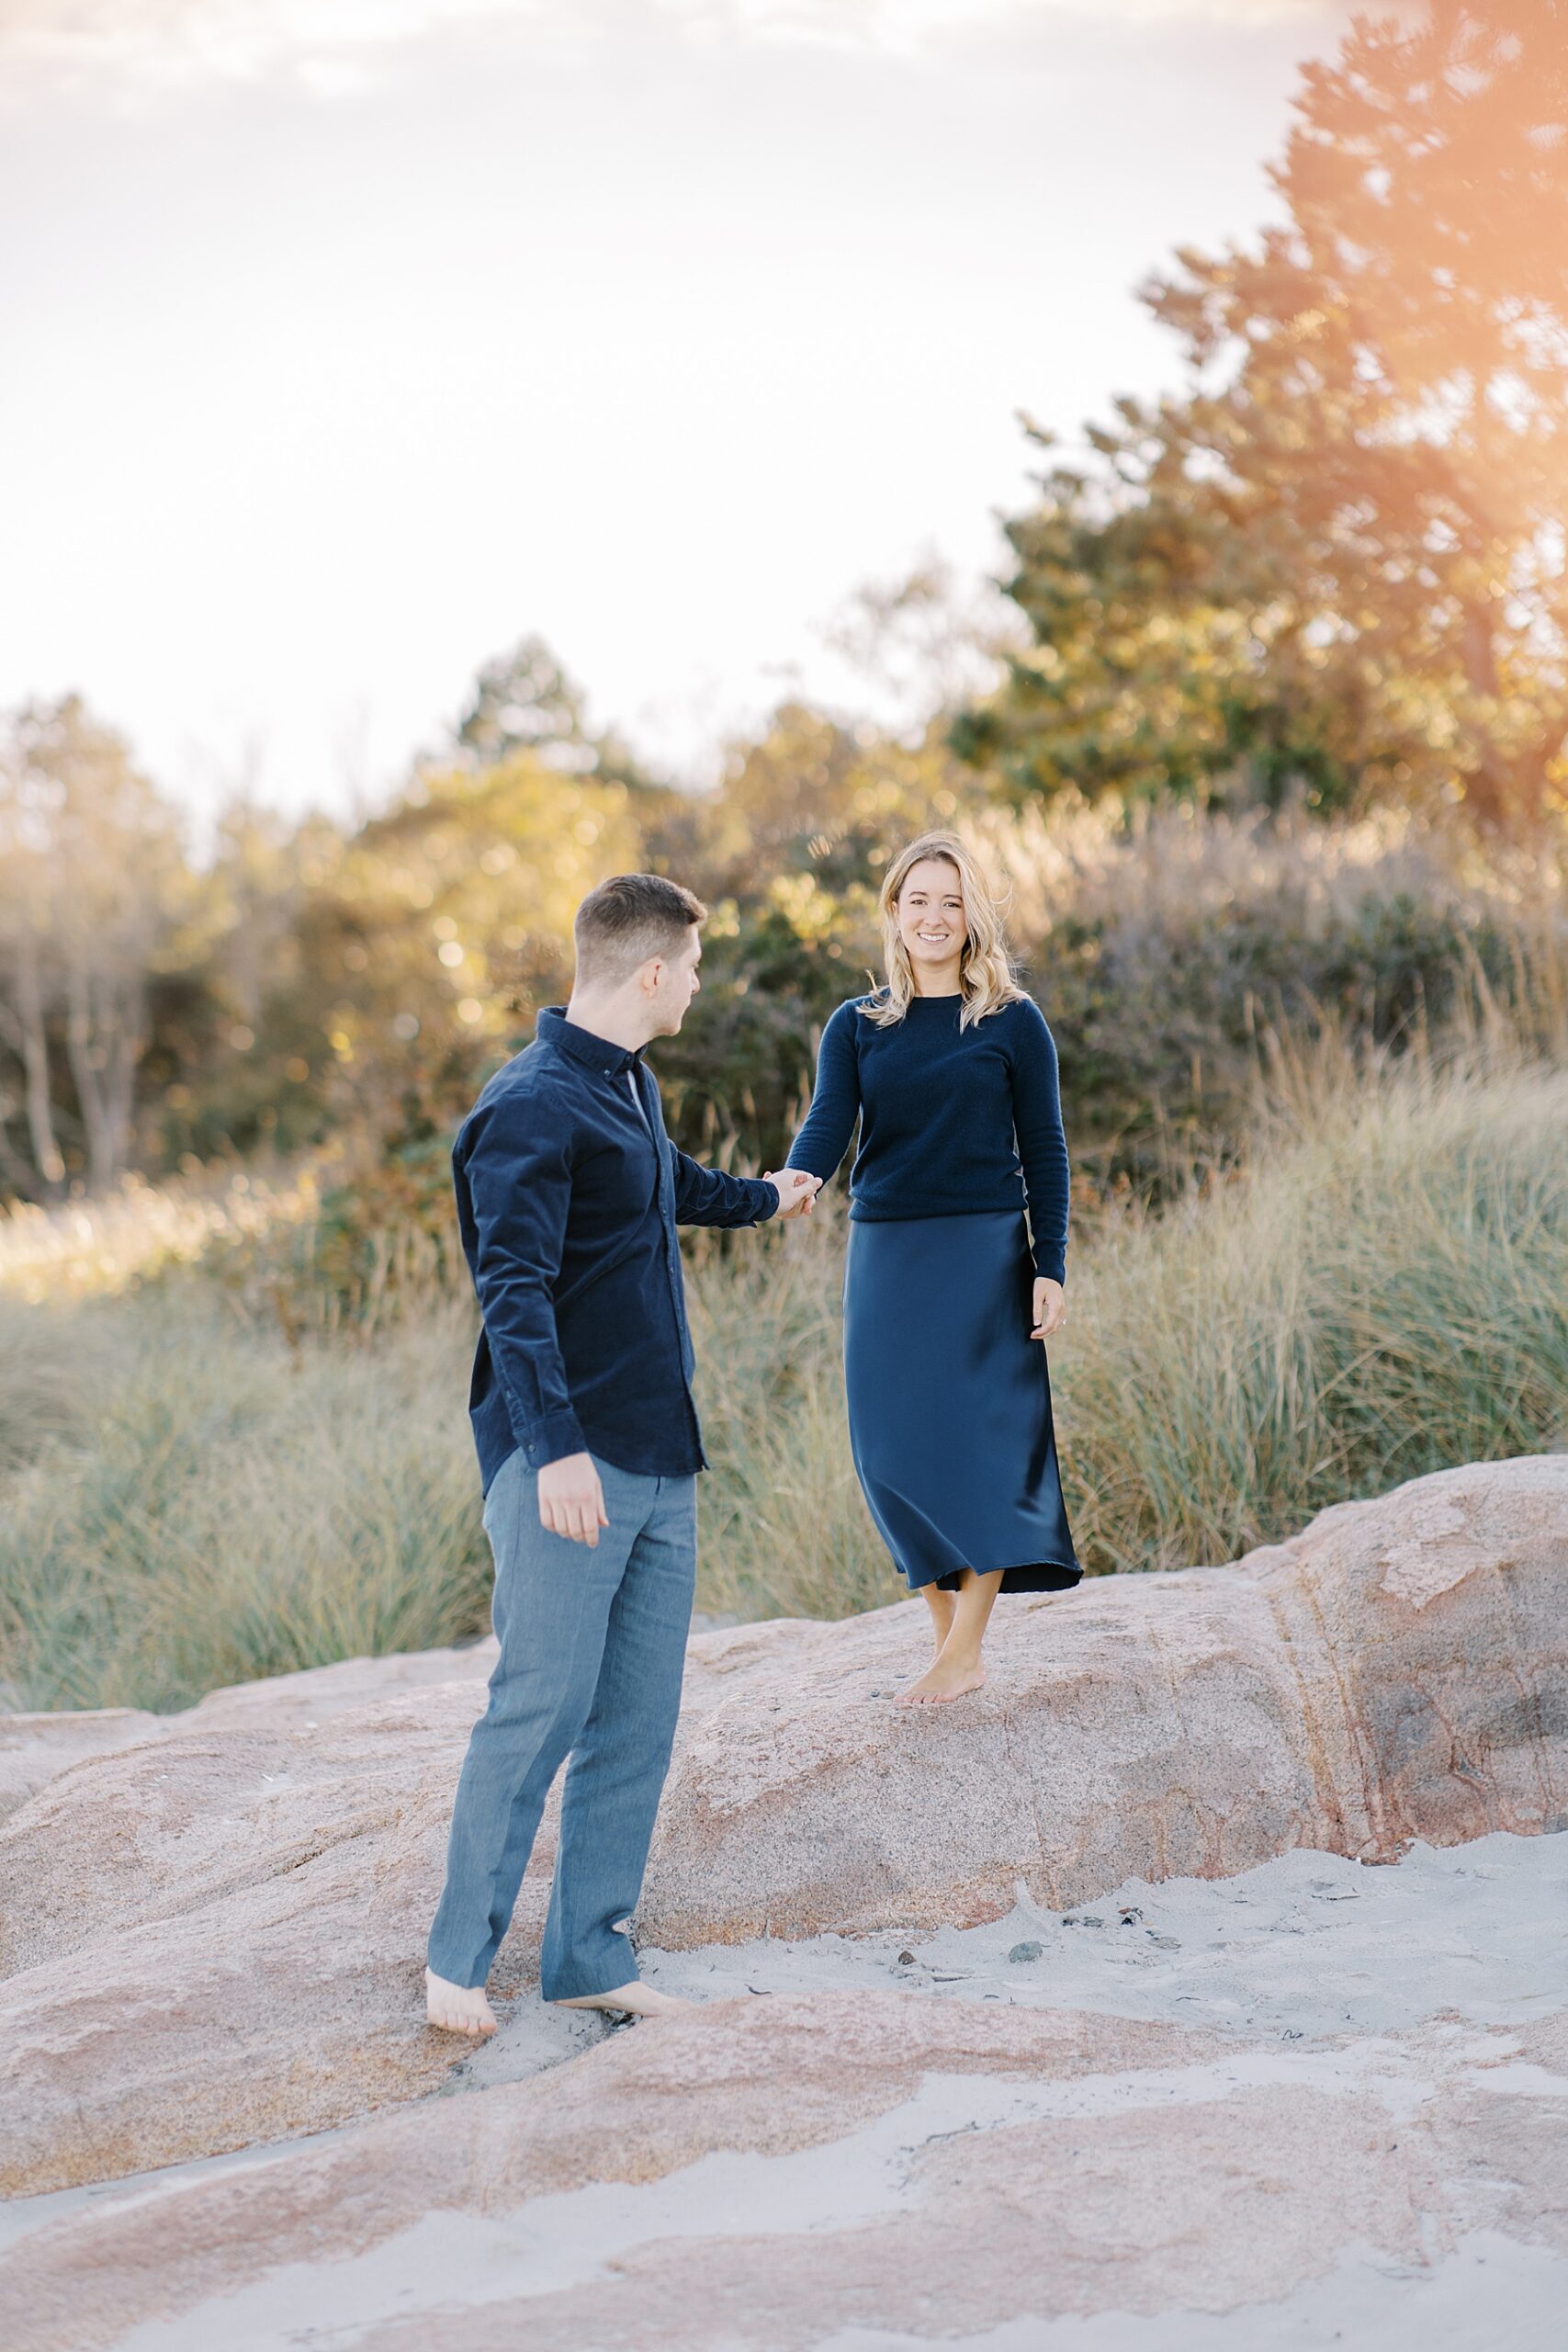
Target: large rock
[
  {"x": 216, "y": 1936},
  {"x": 762, "y": 2174},
  {"x": 37, "y": 1747},
  {"x": 212, "y": 1940},
  {"x": 34, "y": 1749},
  {"x": 1428, "y": 1635},
  {"x": 1398, "y": 1671},
  {"x": 1144, "y": 1726}
]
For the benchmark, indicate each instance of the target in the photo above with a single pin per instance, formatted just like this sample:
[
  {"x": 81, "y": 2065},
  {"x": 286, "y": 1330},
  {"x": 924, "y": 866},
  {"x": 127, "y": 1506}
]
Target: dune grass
[
  {"x": 94, "y": 1248},
  {"x": 195, "y": 1491},
  {"x": 227, "y": 1505},
  {"x": 1380, "y": 1291}
]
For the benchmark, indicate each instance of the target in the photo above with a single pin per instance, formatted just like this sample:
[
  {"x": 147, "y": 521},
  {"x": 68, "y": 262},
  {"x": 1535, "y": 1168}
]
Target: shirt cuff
[
  {"x": 553, "y": 1439},
  {"x": 770, "y": 1203},
  {"x": 1052, "y": 1264}
]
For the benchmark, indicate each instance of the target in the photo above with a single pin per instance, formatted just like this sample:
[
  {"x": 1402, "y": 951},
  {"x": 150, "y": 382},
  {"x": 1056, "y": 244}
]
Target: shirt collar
[{"x": 595, "y": 1052}]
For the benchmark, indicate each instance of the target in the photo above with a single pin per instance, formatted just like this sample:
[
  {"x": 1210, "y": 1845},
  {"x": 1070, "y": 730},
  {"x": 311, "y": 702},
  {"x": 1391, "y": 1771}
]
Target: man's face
[{"x": 675, "y": 984}]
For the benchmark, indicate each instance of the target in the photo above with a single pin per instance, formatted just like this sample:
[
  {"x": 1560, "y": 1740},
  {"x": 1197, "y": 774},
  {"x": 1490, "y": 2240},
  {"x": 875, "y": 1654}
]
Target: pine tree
[{"x": 1337, "y": 562}]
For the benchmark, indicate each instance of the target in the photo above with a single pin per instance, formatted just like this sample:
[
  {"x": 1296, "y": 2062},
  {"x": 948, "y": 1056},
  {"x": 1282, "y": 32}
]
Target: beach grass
[
  {"x": 101, "y": 1248},
  {"x": 219, "y": 1504},
  {"x": 199, "y": 1486},
  {"x": 1380, "y": 1290}
]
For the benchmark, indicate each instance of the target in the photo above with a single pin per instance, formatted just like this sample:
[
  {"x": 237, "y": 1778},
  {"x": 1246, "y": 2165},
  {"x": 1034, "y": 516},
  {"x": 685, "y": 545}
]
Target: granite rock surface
[
  {"x": 762, "y": 2173},
  {"x": 212, "y": 1936},
  {"x": 1398, "y": 1671}
]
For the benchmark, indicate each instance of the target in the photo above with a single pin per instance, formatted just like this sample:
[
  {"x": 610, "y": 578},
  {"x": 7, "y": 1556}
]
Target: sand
[{"x": 1330, "y": 1966}]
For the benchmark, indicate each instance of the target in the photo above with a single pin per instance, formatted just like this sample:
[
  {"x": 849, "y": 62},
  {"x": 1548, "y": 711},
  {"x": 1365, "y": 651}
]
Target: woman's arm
[
  {"x": 828, "y": 1124},
  {"x": 1042, "y": 1145}
]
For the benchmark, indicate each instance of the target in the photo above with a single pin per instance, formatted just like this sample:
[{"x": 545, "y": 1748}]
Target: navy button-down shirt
[{"x": 569, "y": 1196}]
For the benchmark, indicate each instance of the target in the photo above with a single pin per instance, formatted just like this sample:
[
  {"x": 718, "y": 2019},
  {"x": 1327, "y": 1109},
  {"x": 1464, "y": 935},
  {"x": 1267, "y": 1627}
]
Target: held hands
[
  {"x": 796, "y": 1191},
  {"x": 1050, "y": 1308},
  {"x": 572, "y": 1500}
]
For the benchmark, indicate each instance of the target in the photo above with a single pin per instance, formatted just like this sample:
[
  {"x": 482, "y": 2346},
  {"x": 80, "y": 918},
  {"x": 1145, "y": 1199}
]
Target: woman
[{"x": 951, "y": 1071}]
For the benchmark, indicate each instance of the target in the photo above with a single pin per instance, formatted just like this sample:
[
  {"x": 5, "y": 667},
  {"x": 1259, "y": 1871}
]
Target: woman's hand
[
  {"x": 1050, "y": 1308},
  {"x": 796, "y": 1189}
]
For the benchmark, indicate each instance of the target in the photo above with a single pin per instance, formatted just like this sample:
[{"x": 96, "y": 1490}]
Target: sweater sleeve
[
  {"x": 1042, "y": 1143},
  {"x": 828, "y": 1124}
]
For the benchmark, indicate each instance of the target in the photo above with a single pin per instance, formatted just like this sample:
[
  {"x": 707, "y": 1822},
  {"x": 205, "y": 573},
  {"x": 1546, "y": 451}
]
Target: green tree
[
  {"x": 526, "y": 701},
  {"x": 238, "y": 1057},
  {"x": 444, "y": 921},
  {"x": 94, "y": 893},
  {"x": 1336, "y": 562},
  {"x": 788, "y": 853},
  {"x": 356, "y": 984}
]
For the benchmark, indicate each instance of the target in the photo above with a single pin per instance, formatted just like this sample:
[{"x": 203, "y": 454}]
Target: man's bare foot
[
  {"x": 457, "y": 2009},
  {"x": 950, "y": 1677},
  {"x": 637, "y": 1999}
]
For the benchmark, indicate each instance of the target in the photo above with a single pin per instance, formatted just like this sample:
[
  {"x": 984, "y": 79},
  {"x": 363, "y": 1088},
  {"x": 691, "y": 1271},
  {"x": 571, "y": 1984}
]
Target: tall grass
[
  {"x": 93, "y": 1248},
  {"x": 240, "y": 1506},
  {"x": 1165, "y": 951},
  {"x": 43, "y": 1388},
  {"x": 1382, "y": 1292},
  {"x": 193, "y": 1491},
  {"x": 784, "y": 1530},
  {"x": 1379, "y": 1291}
]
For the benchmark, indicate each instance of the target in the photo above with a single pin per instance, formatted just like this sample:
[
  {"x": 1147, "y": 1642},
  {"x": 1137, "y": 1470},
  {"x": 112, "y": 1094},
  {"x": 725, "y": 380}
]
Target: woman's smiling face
[{"x": 930, "y": 919}]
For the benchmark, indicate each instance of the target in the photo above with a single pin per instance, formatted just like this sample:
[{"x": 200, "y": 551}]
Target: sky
[{"x": 347, "y": 341}]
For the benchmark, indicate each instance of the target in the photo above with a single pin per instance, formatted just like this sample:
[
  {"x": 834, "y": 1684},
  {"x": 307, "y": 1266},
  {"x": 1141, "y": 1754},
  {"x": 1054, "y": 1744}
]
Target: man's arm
[
  {"x": 708, "y": 1196},
  {"x": 517, "y": 1173},
  {"x": 517, "y": 1167}
]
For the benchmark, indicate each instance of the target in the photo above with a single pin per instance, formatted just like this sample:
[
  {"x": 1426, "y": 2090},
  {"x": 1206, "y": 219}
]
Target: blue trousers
[{"x": 592, "y": 1650}]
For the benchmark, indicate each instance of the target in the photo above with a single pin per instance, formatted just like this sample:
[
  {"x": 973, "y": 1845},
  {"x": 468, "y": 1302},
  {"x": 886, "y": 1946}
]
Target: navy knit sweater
[{"x": 952, "y": 1121}]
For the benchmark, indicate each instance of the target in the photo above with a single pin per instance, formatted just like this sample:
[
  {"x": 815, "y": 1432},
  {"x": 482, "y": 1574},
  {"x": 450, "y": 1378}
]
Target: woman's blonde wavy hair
[{"x": 985, "y": 980}]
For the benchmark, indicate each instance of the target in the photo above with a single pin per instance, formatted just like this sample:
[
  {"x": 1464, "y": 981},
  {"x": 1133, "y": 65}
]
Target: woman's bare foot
[
  {"x": 457, "y": 2009},
  {"x": 958, "y": 1668},
  {"x": 950, "y": 1677},
  {"x": 942, "y": 1606},
  {"x": 637, "y": 1999}
]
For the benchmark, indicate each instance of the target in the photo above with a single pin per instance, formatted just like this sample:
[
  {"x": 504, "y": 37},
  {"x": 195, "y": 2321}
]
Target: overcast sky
[{"x": 347, "y": 339}]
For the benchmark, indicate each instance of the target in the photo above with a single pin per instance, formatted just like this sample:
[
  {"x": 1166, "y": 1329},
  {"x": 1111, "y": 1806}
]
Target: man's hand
[
  {"x": 796, "y": 1189},
  {"x": 1050, "y": 1308},
  {"x": 572, "y": 1500}
]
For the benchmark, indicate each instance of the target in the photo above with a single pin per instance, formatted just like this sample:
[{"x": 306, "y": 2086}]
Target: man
[{"x": 569, "y": 1194}]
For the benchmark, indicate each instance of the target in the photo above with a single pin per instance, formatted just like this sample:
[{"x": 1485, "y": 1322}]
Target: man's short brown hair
[{"x": 629, "y": 918}]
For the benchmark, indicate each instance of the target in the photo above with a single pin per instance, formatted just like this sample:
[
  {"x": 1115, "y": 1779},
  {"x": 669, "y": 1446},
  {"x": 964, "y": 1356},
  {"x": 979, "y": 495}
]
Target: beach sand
[{"x": 1380, "y": 1984}]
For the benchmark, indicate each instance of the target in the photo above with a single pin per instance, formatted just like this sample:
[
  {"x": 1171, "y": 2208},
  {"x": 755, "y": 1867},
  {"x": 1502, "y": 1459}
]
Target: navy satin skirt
[{"x": 950, "y": 1401}]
